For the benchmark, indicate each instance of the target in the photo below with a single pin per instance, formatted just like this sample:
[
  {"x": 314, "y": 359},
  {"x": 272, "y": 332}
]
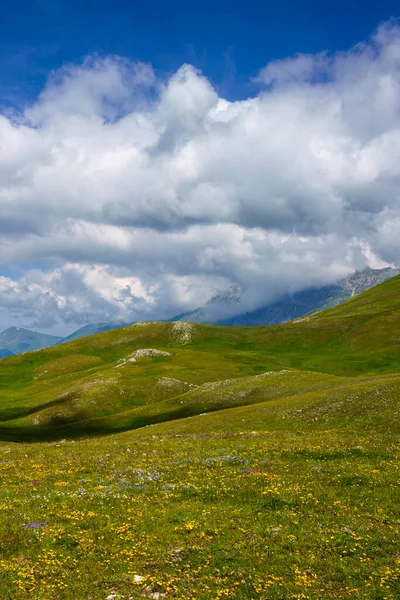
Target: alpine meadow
[{"x": 183, "y": 461}]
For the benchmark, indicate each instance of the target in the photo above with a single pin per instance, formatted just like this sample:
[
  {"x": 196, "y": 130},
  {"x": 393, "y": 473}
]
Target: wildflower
[{"x": 35, "y": 525}]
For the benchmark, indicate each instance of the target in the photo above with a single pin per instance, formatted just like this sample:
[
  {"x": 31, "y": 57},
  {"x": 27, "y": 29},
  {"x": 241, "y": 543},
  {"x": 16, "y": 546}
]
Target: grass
[
  {"x": 243, "y": 463},
  {"x": 231, "y": 514}
]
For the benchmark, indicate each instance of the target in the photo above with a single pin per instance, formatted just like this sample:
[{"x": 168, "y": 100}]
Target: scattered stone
[
  {"x": 182, "y": 332},
  {"x": 144, "y": 352},
  {"x": 141, "y": 353}
]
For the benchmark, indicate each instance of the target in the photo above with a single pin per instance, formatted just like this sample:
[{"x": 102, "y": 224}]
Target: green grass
[
  {"x": 244, "y": 463},
  {"x": 222, "y": 514}
]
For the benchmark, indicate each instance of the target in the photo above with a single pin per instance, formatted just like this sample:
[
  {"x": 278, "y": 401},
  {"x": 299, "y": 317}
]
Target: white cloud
[
  {"x": 301, "y": 68},
  {"x": 132, "y": 197}
]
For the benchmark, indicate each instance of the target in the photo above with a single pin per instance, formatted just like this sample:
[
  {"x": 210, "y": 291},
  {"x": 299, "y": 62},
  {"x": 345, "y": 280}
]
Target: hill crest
[{"x": 151, "y": 372}]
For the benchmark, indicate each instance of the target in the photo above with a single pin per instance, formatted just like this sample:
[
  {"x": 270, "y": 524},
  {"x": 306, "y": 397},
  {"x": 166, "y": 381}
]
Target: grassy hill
[
  {"x": 244, "y": 463},
  {"x": 152, "y": 372}
]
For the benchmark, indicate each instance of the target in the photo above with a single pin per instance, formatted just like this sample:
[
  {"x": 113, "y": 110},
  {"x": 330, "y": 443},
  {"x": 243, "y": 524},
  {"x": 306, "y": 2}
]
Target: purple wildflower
[{"x": 35, "y": 525}]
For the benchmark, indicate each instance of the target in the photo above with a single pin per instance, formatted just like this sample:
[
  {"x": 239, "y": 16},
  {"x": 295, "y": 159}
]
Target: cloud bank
[{"x": 125, "y": 196}]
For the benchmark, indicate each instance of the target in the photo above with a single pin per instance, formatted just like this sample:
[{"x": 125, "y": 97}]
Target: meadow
[
  {"x": 200, "y": 462},
  {"x": 154, "y": 514}
]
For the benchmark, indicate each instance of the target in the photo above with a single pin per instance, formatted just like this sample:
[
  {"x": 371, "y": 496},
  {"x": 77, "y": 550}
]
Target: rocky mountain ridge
[{"x": 291, "y": 306}]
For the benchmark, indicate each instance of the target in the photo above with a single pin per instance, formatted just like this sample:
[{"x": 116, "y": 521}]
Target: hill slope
[{"x": 152, "y": 372}]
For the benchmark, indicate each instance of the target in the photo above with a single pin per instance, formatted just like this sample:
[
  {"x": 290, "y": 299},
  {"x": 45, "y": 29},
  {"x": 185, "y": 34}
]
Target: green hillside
[
  {"x": 152, "y": 372},
  {"x": 244, "y": 463}
]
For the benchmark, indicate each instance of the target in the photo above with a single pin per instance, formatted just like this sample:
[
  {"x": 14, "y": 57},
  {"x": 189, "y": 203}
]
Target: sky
[{"x": 155, "y": 155}]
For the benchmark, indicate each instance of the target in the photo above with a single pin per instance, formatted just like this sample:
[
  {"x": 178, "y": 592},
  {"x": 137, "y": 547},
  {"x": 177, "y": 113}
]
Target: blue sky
[
  {"x": 230, "y": 41},
  {"x": 154, "y": 155}
]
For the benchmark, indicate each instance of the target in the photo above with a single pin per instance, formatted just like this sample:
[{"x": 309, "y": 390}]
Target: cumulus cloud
[{"x": 124, "y": 196}]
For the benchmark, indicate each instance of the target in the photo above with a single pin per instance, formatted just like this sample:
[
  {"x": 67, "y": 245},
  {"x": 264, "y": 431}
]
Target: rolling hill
[
  {"x": 243, "y": 462},
  {"x": 153, "y": 372}
]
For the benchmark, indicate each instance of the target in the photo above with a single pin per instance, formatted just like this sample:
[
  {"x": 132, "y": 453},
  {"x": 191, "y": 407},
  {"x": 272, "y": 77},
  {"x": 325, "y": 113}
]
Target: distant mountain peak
[
  {"x": 19, "y": 339},
  {"x": 231, "y": 296}
]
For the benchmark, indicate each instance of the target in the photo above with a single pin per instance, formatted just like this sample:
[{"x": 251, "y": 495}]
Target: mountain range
[
  {"x": 16, "y": 340},
  {"x": 290, "y": 306}
]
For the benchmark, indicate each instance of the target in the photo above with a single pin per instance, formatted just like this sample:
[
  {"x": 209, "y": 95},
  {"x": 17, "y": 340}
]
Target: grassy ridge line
[
  {"x": 359, "y": 405},
  {"x": 369, "y": 406},
  {"x": 89, "y": 380},
  {"x": 114, "y": 387},
  {"x": 299, "y": 401},
  {"x": 207, "y": 397}
]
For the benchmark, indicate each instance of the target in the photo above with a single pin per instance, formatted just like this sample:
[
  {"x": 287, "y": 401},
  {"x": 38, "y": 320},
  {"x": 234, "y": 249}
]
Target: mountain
[
  {"x": 213, "y": 309},
  {"x": 16, "y": 340},
  {"x": 149, "y": 373},
  {"x": 299, "y": 304},
  {"x": 90, "y": 329},
  {"x": 289, "y": 307},
  {"x": 19, "y": 339}
]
